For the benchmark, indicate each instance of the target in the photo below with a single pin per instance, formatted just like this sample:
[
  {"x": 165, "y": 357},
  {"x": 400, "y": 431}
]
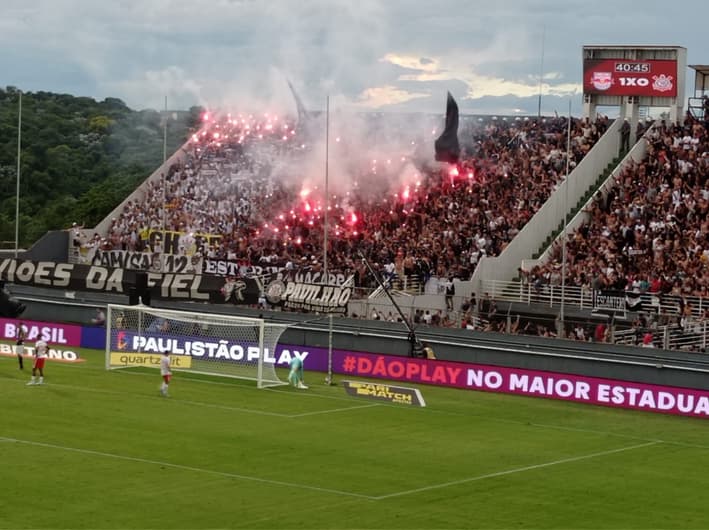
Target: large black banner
[
  {"x": 195, "y": 264},
  {"x": 143, "y": 261},
  {"x": 299, "y": 295},
  {"x": 68, "y": 276}
]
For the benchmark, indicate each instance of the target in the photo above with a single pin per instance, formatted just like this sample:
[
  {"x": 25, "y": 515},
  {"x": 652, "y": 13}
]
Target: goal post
[{"x": 205, "y": 343}]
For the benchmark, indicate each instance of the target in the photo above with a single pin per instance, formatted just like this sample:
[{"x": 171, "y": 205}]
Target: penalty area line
[
  {"x": 175, "y": 400},
  {"x": 180, "y": 401},
  {"x": 181, "y": 467},
  {"x": 274, "y": 390},
  {"x": 328, "y": 411},
  {"x": 515, "y": 470}
]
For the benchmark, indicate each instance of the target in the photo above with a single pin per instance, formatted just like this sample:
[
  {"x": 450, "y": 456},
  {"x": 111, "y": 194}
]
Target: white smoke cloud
[{"x": 357, "y": 154}]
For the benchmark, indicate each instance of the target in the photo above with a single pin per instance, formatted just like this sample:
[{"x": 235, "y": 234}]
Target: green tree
[
  {"x": 100, "y": 124},
  {"x": 80, "y": 158}
]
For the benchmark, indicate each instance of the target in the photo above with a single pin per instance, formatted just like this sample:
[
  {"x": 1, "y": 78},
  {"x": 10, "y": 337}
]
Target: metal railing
[
  {"x": 582, "y": 298},
  {"x": 696, "y": 107},
  {"x": 691, "y": 337},
  {"x": 676, "y": 322}
]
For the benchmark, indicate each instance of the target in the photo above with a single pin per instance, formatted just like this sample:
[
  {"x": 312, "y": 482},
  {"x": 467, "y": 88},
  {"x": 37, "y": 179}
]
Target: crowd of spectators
[
  {"x": 233, "y": 183},
  {"x": 650, "y": 232}
]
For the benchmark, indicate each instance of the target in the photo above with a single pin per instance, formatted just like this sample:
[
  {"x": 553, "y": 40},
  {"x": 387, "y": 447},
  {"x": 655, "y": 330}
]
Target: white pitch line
[
  {"x": 344, "y": 409},
  {"x": 175, "y": 400},
  {"x": 185, "y": 468},
  {"x": 421, "y": 409},
  {"x": 688, "y": 445},
  {"x": 513, "y": 471},
  {"x": 216, "y": 405},
  {"x": 592, "y": 431},
  {"x": 183, "y": 376},
  {"x": 227, "y": 407}
]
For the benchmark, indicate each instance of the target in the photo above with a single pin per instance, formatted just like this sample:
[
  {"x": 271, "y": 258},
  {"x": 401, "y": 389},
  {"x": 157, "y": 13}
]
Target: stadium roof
[
  {"x": 629, "y": 47},
  {"x": 701, "y": 78}
]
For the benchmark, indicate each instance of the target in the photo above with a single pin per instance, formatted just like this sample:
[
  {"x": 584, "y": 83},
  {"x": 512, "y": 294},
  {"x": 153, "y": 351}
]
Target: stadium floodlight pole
[
  {"x": 328, "y": 379},
  {"x": 19, "y": 155},
  {"x": 164, "y": 159},
  {"x": 326, "y": 228},
  {"x": 164, "y": 134},
  {"x": 566, "y": 216},
  {"x": 541, "y": 76},
  {"x": 327, "y": 188}
]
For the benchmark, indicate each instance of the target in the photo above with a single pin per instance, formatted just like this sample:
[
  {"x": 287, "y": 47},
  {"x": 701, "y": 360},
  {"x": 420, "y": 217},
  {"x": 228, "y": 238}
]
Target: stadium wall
[
  {"x": 626, "y": 363},
  {"x": 52, "y": 246},
  {"x": 616, "y": 391}
]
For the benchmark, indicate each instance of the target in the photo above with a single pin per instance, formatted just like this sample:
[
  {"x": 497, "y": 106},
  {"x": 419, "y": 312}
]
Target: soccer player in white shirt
[
  {"x": 165, "y": 372},
  {"x": 41, "y": 350}
]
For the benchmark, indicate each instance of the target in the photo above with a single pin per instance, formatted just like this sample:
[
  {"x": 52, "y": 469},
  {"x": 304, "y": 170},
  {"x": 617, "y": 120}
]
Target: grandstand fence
[{"x": 676, "y": 322}]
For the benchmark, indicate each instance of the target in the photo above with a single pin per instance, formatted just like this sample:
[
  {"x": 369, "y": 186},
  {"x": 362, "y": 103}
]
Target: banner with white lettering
[
  {"x": 125, "y": 259},
  {"x": 147, "y": 261},
  {"x": 69, "y": 276},
  {"x": 222, "y": 267},
  {"x": 519, "y": 381},
  {"x": 127, "y": 342},
  {"x": 269, "y": 273},
  {"x": 196, "y": 264},
  {"x": 322, "y": 298},
  {"x": 617, "y": 301},
  {"x": 64, "y": 334},
  {"x": 608, "y": 300}
]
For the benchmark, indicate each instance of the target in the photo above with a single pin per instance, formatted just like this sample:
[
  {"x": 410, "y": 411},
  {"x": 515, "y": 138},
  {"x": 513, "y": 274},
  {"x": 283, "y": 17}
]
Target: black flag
[{"x": 447, "y": 146}]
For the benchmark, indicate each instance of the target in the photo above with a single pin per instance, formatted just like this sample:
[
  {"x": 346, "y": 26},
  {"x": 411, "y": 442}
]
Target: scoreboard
[{"x": 624, "y": 77}]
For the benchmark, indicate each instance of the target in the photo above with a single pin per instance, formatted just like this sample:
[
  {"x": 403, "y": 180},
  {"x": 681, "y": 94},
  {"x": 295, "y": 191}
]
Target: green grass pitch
[{"x": 98, "y": 449}]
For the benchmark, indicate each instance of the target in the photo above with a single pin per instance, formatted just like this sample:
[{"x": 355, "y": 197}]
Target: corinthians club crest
[
  {"x": 662, "y": 82},
  {"x": 274, "y": 291}
]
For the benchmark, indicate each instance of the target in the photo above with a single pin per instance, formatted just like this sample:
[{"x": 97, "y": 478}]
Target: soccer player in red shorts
[
  {"x": 41, "y": 349},
  {"x": 165, "y": 372}
]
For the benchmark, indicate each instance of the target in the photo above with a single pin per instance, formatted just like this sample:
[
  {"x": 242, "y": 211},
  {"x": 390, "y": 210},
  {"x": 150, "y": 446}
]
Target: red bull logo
[{"x": 602, "y": 80}]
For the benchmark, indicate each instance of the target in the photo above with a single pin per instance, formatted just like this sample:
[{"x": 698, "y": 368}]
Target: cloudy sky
[{"x": 388, "y": 55}]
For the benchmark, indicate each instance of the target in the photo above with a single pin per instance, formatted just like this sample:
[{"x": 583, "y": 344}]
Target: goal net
[{"x": 221, "y": 345}]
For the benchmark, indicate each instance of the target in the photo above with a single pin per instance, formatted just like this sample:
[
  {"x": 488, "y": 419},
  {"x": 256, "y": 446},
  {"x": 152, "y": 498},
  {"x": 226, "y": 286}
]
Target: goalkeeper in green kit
[{"x": 295, "y": 377}]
